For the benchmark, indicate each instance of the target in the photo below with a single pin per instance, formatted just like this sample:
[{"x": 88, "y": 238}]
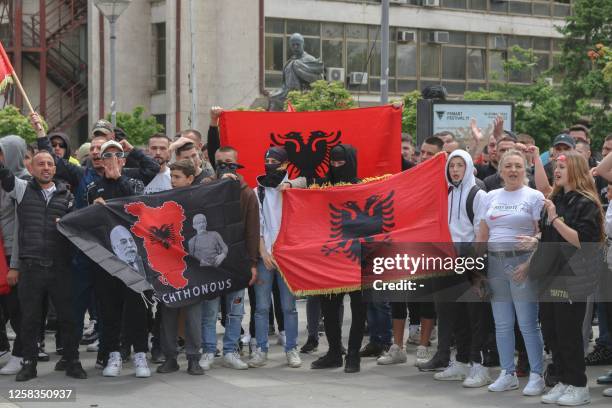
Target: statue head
[
  {"x": 199, "y": 223},
  {"x": 296, "y": 44}
]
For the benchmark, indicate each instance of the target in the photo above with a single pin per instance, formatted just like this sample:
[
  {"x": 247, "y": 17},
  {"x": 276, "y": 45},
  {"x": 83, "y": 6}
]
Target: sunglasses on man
[
  {"x": 108, "y": 155},
  {"x": 62, "y": 145}
]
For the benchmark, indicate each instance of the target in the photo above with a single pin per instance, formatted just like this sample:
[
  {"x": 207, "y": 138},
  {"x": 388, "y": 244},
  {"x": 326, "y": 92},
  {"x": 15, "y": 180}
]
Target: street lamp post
[{"x": 112, "y": 9}]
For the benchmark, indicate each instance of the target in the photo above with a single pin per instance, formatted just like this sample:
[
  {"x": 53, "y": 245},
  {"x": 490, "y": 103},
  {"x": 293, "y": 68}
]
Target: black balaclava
[
  {"x": 274, "y": 176},
  {"x": 346, "y": 173}
]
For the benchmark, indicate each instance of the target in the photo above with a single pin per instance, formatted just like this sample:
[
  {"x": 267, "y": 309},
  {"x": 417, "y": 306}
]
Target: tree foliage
[
  {"x": 12, "y": 122},
  {"x": 584, "y": 91},
  {"x": 321, "y": 96},
  {"x": 409, "y": 115},
  {"x": 137, "y": 127}
]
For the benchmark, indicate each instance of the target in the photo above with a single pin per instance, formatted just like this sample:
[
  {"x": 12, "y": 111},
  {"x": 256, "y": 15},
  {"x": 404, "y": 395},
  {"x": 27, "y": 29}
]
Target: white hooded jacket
[{"x": 461, "y": 228}]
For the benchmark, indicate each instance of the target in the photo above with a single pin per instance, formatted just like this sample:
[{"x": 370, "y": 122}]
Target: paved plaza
[{"x": 275, "y": 385}]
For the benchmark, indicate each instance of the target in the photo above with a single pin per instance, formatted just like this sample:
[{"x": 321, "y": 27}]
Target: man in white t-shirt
[{"x": 159, "y": 149}]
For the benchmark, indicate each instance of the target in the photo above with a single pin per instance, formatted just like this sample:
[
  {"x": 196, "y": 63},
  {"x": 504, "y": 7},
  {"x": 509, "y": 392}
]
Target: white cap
[{"x": 110, "y": 143}]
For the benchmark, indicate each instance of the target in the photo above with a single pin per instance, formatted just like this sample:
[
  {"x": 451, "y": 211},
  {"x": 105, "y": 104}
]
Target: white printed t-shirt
[{"x": 511, "y": 213}]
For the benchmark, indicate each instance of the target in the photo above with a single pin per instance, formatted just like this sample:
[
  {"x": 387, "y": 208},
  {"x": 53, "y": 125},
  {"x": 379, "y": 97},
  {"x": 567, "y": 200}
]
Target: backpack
[{"x": 469, "y": 203}]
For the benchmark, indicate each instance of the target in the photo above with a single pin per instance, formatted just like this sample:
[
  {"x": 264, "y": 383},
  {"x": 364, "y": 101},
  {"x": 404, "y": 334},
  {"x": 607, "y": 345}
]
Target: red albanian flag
[
  {"x": 310, "y": 136},
  {"x": 6, "y": 69},
  {"x": 318, "y": 246}
]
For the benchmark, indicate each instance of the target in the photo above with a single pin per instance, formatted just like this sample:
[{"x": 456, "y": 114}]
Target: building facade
[{"x": 177, "y": 58}]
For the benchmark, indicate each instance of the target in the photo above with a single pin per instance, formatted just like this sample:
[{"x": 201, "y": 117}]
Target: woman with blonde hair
[
  {"x": 568, "y": 261},
  {"x": 508, "y": 215}
]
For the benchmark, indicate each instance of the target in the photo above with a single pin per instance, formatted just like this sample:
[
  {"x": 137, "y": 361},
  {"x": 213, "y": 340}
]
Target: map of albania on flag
[{"x": 185, "y": 244}]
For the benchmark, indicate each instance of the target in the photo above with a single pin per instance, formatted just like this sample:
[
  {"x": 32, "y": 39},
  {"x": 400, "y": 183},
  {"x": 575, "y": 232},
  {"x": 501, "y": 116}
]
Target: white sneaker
[
  {"x": 245, "y": 339},
  {"x": 282, "y": 339},
  {"x": 232, "y": 360},
  {"x": 207, "y": 360},
  {"x": 606, "y": 393},
  {"x": 140, "y": 365},
  {"x": 574, "y": 396},
  {"x": 89, "y": 328},
  {"x": 505, "y": 382},
  {"x": 535, "y": 386},
  {"x": 5, "y": 356},
  {"x": 423, "y": 355},
  {"x": 114, "y": 365},
  {"x": 93, "y": 347},
  {"x": 456, "y": 371},
  {"x": 395, "y": 355},
  {"x": 478, "y": 377},
  {"x": 293, "y": 358},
  {"x": 553, "y": 395},
  {"x": 414, "y": 334},
  {"x": 12, "y": 367},
  {"x": 258, "y": 359}
]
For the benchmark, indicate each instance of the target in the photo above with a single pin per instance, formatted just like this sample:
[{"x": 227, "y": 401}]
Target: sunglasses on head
[{"x": 108, "y": 155}]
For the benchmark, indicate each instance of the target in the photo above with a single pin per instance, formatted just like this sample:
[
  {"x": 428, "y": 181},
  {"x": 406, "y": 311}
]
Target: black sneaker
[
  {"x": 311, "y": 345},
  {"x": 59, "y": 351},
  {"x": 61, "y": 365},
  {"x": 157, "y": 357},
  {"x": 327, "y": 361},
  {"x": 436, "y": 363},
  {"x": 371, "y": 350},
  {"x": 352, "y": 363},
  {"x": 601, "y": 355},
  {"x": 27, "y": 372},
  {"x": 169, "y": 366},
  {"x": 193, "y": 366},
  {"x": 75, "y": 370}
]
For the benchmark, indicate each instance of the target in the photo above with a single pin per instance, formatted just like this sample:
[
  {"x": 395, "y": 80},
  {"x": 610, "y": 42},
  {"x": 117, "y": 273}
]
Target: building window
[
  {"x": 159, "y": 35},
  {"x": 161, "y": 119},
  {"x": 417, "y": 58}
]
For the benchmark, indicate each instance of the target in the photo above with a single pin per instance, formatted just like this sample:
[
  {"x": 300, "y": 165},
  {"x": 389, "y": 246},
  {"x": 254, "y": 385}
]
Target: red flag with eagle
[
  {"x": 310, "y": 136},
  {"x": 318, "y": 246},
  {"x": 6, "y": 69}
]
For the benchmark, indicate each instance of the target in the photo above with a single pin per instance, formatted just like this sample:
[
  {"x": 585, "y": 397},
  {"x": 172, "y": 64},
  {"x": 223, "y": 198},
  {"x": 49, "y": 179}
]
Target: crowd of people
[{"x": 502, "y": 193}]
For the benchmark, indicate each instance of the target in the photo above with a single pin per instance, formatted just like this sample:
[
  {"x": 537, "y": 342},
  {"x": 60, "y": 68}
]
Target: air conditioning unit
[
  {"x": 335, "y": 74},
  {"x": 439, "y": 37},
  {"x": 406, "y": 36},
  {"x": 358, "y": 78},
  {"x": 499, "y": 42},
  {"x": 431, "y": 3}
]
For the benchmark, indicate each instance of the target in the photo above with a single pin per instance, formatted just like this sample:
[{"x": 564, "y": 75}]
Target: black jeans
[
  {"x": 120, "y": 307},
  {"x": 36, "y": 280},
  {"x": 562, "y": 329},
  {"x": 331, "y": 310},
  {"x": 12, "y": 314}
]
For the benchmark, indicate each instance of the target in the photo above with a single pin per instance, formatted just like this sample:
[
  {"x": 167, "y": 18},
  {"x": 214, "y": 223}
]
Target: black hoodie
[
  {"x": 348, "y": 172},
  {"x": 66, "y": 140}
]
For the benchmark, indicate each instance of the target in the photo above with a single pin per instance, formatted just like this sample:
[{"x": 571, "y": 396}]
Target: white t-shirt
[
  {"x": 161, "y": 182},
  {"x": 511, "y": 213}
]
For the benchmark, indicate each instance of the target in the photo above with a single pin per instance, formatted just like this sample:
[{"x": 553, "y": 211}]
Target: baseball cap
[
  {"x": 103, "y": 126},
  {"x": 565, "y": 139},
  {"x": 110, "y": 143}
]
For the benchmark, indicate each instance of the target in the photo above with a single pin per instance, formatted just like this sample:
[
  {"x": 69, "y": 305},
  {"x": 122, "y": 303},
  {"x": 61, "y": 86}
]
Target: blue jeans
[
  {"x": 263, "y": 296},
  {"x": 514, "y": 300},
  {"x": 379, "y": 323},
  {"x": 604, "y": 334},
  {"x": 234, "y": 302}
]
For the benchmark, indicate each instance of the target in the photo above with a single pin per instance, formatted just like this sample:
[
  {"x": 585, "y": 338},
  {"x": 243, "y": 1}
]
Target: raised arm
[{"x": 541, "y": 180}]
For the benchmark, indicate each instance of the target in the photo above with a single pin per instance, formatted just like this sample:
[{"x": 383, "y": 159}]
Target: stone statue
[{"x": 299, "y": 72}]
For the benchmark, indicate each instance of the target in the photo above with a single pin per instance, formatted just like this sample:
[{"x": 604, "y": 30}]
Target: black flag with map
[{"x": 185, "y": 244}]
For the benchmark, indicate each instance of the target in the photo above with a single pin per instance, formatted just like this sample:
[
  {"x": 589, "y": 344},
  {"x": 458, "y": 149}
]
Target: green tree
[
  {"x": 584, "y": 91},
  {"x": 321, "y": 96},
  {"x": 12, "y": 122},
  {"x": 409, "y": 115},
  {"x": 137, "y": 127}
]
